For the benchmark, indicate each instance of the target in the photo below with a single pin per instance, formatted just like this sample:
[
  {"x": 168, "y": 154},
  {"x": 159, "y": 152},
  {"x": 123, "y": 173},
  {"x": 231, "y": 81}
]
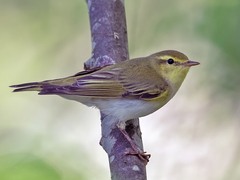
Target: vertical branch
[
  {"x": 108, "y": 31},
  {"x": 110, "y": 46}
]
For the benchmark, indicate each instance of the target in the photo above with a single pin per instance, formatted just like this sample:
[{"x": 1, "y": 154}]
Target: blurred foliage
[
  {"x": 220, "y": 25},
  {"x": 42, "y": 27},
  {"x": 26, "y": 167}
]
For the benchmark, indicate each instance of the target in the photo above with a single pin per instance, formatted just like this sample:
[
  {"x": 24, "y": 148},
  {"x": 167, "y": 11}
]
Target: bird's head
[{"x": 172, "y": 65}]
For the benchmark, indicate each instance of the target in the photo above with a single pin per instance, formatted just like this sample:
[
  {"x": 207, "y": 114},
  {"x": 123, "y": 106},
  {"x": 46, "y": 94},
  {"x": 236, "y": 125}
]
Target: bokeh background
[{"x": 195, "y": 136}]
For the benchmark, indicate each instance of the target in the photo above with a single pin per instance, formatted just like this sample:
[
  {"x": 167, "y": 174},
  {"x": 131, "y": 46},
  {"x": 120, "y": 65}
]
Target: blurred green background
[{"x": 195, "y": 136}]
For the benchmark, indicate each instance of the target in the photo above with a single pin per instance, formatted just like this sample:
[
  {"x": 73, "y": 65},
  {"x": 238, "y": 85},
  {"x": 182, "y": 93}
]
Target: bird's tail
[{"x": 34, "y": 86}]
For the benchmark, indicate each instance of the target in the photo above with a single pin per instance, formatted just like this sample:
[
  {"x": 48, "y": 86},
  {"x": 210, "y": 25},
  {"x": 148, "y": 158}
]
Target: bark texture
[{"x": 110, "y": 46}]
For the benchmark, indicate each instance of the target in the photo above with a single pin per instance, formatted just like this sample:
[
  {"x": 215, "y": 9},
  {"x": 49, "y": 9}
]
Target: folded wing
[{"x": 109, "y": 82}]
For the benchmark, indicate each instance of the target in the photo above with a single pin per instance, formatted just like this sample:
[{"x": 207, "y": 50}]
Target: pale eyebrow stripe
[{"x": 163, "y": 57}]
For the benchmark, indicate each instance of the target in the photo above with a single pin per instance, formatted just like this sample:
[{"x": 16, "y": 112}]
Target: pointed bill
[{"x": 191, "y": 63}]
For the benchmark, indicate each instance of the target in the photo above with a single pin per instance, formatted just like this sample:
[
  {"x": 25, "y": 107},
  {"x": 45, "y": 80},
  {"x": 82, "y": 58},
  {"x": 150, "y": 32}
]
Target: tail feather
[
  {"x": 35, "y": 86},
  {"x": 25, "y": 85},
  {"x": 43, "y": 88}
]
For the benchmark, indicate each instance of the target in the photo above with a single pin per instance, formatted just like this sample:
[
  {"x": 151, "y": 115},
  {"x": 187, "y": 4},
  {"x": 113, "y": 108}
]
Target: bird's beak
[{"x": 191, "y": 63}]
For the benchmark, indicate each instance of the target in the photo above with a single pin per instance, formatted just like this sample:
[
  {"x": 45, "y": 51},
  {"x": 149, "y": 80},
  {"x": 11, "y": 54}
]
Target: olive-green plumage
[{"x": 128, "y": 89}]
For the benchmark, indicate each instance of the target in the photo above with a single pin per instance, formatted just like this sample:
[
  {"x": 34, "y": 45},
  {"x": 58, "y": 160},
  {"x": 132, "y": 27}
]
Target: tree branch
[{"x": 110, "y": 46}]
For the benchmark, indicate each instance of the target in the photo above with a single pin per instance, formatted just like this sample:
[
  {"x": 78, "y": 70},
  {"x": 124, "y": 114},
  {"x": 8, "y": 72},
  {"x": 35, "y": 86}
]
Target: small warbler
[{"x": 126, "y": 90}]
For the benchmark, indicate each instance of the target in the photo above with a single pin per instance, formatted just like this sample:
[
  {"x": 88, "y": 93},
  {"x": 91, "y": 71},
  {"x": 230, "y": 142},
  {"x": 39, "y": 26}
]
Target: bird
[{"x": 127, "y": 90}]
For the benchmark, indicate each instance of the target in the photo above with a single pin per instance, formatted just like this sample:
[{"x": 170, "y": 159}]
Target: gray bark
[{"x": 110, "y": 46}]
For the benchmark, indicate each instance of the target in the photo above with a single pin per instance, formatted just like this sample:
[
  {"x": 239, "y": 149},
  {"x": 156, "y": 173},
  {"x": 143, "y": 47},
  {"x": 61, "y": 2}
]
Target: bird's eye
[{"x": 170, "y": 61}]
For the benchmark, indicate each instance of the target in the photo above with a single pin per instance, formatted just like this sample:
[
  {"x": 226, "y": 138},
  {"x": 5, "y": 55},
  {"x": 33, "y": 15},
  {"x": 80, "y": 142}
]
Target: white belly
[
  {"x": 123, "y": 109},
  {"x": 126, "y": 109}
]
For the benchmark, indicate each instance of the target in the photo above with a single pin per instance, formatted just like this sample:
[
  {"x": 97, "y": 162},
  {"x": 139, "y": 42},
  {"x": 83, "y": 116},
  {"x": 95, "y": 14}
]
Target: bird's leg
[{"x": 145, "y": 157}]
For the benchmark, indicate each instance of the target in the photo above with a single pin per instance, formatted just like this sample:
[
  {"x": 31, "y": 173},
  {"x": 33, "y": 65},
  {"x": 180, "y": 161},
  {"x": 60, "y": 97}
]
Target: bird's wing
[
  {"x": 131, "y": 81},
  {"x": 109, "y": 82}
]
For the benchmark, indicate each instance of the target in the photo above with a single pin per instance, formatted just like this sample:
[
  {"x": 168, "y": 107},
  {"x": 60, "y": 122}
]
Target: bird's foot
[{"x": 142, "y": 155}]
